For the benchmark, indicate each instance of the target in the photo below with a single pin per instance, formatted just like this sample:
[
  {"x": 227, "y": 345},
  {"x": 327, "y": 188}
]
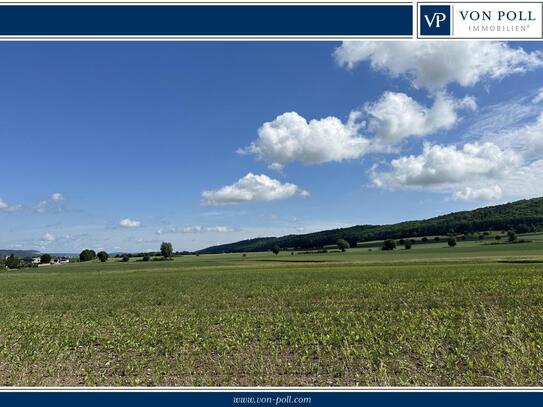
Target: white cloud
[
  {"x": 526, "y": 140},
  {"x": 129, "y": 223},
  {"x": 219, "y": 229},
  {"x": 3, "y": 204},
  {"x": 57, "y": 196},
  {"x": 434, "y": 64},
  {"x": 445, "y": 165},
  {"x": 48, "y": 237},
  {"x": 539, "y": 97},
  {"x": 396, "y": 116},
  {"x": 251, "y": 188},
  {"x": 290, "y": 137},
  {"x": 479, "y": 194}
]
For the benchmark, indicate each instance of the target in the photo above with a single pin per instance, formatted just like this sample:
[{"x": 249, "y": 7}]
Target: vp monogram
[{"x": 436, "y": 18}]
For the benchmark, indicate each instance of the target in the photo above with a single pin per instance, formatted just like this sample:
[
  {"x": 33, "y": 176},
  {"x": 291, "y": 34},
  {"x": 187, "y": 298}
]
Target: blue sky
[{"x": 121, "y": 145}]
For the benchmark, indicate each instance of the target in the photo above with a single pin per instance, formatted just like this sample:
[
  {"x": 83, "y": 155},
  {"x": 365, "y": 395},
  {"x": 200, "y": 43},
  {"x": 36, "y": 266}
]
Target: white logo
[{"x": 438, "y": 18}]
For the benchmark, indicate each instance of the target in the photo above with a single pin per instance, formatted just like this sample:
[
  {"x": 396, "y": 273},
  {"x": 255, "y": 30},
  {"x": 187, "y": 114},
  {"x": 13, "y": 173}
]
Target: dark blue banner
[
  {"x": 207, "y": 21},
  {"x": 303, "y": 398}
]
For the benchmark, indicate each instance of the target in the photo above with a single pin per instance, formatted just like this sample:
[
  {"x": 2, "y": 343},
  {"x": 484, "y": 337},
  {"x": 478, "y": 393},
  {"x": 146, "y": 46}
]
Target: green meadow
[{"x": 471, "y": 315}]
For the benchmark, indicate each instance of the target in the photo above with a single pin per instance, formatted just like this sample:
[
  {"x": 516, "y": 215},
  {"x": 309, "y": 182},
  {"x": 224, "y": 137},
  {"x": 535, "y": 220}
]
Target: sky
[{"x": 119, "y": 146}]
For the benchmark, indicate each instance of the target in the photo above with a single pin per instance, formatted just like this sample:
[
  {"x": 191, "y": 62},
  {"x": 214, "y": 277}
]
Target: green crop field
[{"x": 433, "y": 315}]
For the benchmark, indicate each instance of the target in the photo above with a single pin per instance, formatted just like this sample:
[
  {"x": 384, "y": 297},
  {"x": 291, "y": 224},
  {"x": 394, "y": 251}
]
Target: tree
[
  {"x": 407, "y": 245},
  {"x": 343, "y": 244},
  {"x": 146, "y": 258},
  {"x": 12, "y": 262},
  {"x": 166, "y": 250},
  {"x": 125, "y": 258},
  {"x": 498, "y": 237},
  {"x": 389, "y": 244},
  {"x": 276, "y": 250},
  {"x": 452, "y": 241},
  {"x": 103, "y": 256},
  {"x": 87, "y": 255},
  {"x": 424, "y": 239},
  {"x": 45, "y": 258},
  {"x": 511, "y": 235}
]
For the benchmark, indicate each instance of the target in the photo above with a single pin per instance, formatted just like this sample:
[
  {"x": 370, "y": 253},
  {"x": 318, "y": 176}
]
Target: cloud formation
[
  {"x": 252, "y": 188},
  {"x": 396, "y": 116},
  {"x": 57, "y": 196},
  {"x": 290, "y": 137},
  {"x": 435, "y": 64},
  {"x": 442, "y": 165},
  {"x": 129, "y": 223},
  {"x": 385, "y": 123},
  {"x": 479, "y": 194}
]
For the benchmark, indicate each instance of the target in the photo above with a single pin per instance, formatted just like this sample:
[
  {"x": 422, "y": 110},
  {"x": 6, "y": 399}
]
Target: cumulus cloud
[
  {"x": 3, "y": 205},
  {"x": 130, "y": 223},
  {"x": 479, "y": 194},
  {"x": 396, "y": 116},
  {"x": 48, "y": 237},
  {"x": 434, "y": 64},
  {"x": 290, "y": 137},
  {"x": 57, "y": 196},
  {"x": 252, "y": 188},
  {"x": 442, "y": 165},
  {"x": 385, "y": 123}
]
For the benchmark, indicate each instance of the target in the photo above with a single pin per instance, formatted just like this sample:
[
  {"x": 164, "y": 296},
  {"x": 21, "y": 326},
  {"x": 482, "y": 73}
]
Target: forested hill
[{"x": 523, "y": 216}]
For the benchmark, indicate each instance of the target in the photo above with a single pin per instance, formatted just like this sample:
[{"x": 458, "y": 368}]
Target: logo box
[{"x": 435, "y": 20}]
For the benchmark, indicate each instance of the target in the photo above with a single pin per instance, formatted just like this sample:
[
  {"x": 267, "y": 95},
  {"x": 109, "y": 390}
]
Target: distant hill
[
  {"x": 18, "y": 253},
  {"x": 524, "y": 216}
]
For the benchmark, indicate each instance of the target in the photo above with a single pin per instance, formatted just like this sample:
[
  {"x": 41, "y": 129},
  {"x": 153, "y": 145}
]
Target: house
[
  {"x": 60, "y": 260},
  {"x": 36, "y": 260}
]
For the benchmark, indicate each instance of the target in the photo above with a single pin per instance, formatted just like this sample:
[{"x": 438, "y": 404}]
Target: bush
[
  {"x": 389, "y": 244},
  {"x": 146, "y": 258},
  {"x": 424, "y": 239},
  {"x": 498, "y": 237},
  {"x": 87, "y": 255},
  {"x": 511, "y": 236},
  {"x": 275, "y": 250},
  {"x": 13, "y": 262},
  {"x": 125, "y": 258},
  {"x": 451, "y": 242},
  {"x": 103, "y": 256},
  {"x": 166, "y": 250},
  {"x": 407, "y": 245},
  {"x": 343, "y": 244},
  {"x": 45, "y": 258}
]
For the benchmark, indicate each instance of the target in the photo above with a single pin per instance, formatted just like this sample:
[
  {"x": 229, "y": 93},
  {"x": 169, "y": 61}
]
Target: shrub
[
  {"x": 451, "y": 242},
  {"x": 125, "y": 258},
  {"x": 275, "y": 249},
  {"x": 389, "y": 244},
  {"x": 166, "y": 250},
  {"x": 87, "y": 255},
  {"x": 103, "y": 256},
  {"x": 13, "y": 262},
  {"x": 407, "y": 245},
  {"x": 343, "y": 244},
  {"x": 45, "y": 258},
  {"x": 146, "y": 258}
]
